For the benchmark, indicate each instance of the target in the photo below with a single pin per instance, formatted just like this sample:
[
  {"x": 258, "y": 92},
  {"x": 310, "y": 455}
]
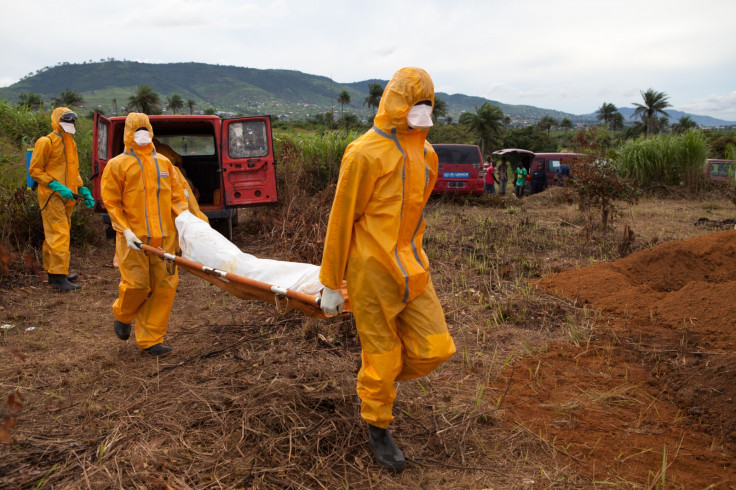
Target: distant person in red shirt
[{"x": 490, "y": 179}]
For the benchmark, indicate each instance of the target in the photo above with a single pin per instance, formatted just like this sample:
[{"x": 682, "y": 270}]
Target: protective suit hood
[
  {"x": 407, "y": 87},
  {"x": 56, "y": 118},
  {"x": 134, "y": 121}
]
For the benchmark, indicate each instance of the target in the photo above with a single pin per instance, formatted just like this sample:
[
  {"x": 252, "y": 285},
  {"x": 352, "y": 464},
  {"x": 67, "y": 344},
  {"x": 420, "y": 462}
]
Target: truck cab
[{"x": 229, "y": 162}]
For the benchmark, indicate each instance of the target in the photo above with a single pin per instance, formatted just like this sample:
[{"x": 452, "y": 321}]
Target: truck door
[
  {"x": 101, "y": 153},
  {"x": 248, "y": 173}
]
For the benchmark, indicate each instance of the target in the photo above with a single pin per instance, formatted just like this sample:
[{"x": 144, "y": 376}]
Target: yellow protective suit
[
  {"x": 189, "y": 194},
  {"x": 168, "y": 152},
  {"x": 374, "y": 239},
  {"x": 55, "y": 158},
  {"x": 141, "y": 192}
]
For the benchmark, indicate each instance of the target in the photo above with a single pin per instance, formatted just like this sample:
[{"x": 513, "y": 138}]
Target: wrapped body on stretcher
[{"x": 200, "y": 243}]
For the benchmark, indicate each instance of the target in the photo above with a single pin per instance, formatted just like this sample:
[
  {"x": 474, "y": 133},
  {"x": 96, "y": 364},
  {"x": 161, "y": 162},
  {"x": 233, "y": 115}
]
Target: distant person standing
[
  {"x": 502, "y": 176},
  {"x": 539, "y": 180},
  {"x": 520, "y": 174},
  {"x": 490, "y": 178}
]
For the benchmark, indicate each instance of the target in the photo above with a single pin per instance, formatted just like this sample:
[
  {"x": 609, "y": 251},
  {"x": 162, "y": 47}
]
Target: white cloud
[
  {"x": 569, "y": 55},
  {"x": 719, "y": 106}
]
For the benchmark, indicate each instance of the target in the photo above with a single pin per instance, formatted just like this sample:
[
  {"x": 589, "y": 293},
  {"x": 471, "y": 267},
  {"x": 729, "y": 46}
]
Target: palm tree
[
  {"x": 31, "y": 100},
  {"x": 566, "y": 124},
  {"x": 684, "y": 124},
  {"x": 606, "y": 113},
  {"x": 547, "y": 122},
  {"x": 486, "y": 123},
  {"x": 191, "y": 103},
  {"x": 145, "y": 100},
  {"x": 618, "y": 122},
  {"x": 175, "y": 102},
  {"x": 375, "y": 91},
  {"x": 67, "y": 98},
  {"x": 655, "y": 103},
  {"x": 439, "y": 109},
  {"x": 342, "y": 99}
]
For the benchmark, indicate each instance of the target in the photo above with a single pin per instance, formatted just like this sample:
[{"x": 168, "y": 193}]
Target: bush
[{"x": 597, "y": 182}]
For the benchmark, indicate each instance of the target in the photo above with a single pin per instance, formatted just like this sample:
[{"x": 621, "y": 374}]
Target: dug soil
[
  {"x": 638, "y": 391},
  {"x": 652, "y": 393}
]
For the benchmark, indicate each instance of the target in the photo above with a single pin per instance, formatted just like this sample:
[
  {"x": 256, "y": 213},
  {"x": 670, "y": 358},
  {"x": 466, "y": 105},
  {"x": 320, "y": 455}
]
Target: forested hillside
[{"x": 288, "y": 94}]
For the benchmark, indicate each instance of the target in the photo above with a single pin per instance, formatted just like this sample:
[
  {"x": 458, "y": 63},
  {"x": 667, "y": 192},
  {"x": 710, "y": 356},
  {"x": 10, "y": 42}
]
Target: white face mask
[
  {"x": 68, "y": 127},
  {"x": 142, "y": 138},
  {"x": 420, "y": 117}
]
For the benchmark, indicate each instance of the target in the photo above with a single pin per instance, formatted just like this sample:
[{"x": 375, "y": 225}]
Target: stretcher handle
[{"x": 307, "y": 299}]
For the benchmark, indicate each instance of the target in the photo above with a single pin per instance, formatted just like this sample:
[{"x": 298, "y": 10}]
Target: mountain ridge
[{"x": 289, "y": 94}]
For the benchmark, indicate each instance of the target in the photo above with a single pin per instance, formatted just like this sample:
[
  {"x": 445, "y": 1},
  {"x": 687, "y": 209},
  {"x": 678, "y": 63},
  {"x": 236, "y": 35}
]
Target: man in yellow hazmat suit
[
  {"x": 374, "y": 240},
  {"x": 55, "y": 167},
  {"x": 143, "y": 196}
]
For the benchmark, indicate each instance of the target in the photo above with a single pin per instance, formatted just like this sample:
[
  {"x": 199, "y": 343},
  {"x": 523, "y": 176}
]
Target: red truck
[
  {"x": 550, "y": 162},
  {"x": 459, "y": 169},
  {"x": 229, "y": 162}
]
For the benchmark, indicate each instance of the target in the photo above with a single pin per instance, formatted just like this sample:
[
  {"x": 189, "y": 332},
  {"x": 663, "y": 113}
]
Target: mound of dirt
[{"x": 673, "y": 304}]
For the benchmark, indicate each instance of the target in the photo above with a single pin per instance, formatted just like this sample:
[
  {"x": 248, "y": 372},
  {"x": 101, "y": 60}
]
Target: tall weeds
[
  {"x": 669, "y": 160},
  {"x": 308, "y": 166},
  {"x": 317, "y": 154},
  {"x": 22, "y": 125}
]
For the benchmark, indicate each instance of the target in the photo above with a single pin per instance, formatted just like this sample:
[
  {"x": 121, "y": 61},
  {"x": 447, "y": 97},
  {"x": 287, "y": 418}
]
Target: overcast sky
[{"x": 566, "y": 55}]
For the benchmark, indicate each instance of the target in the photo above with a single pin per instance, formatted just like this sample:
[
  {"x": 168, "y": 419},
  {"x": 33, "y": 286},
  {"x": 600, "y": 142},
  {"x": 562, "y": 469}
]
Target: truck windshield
[
  {"x": 458, "y": 155},
  {"x": 190, "y": 144}
]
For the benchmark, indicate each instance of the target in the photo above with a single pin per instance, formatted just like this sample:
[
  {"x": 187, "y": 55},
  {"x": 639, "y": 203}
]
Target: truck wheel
[{"x": 109, "y": 232}]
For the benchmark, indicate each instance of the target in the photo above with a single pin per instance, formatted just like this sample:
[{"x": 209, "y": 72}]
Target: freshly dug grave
[{"x": 652, "y": 393}]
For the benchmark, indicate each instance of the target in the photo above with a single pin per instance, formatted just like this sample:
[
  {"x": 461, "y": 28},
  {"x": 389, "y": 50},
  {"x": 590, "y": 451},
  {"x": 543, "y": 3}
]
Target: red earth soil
[{"x": 650, "y": 397}]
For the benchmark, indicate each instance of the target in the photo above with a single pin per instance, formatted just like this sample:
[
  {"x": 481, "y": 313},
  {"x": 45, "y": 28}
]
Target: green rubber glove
[
  {"x": 63, "y": 190},
  {"x": 89, "y": 201}
]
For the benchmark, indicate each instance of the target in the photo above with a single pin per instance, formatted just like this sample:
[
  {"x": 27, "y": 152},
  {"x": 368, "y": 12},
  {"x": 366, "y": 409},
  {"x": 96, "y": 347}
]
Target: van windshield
[
  {"x": 720, "y": 169},
  {"x": 190, "y": 144},
  {"x": 458, "y": 155}
]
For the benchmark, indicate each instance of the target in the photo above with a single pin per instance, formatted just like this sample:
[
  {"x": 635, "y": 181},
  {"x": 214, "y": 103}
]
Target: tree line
[{"x": 487, "y": 126}]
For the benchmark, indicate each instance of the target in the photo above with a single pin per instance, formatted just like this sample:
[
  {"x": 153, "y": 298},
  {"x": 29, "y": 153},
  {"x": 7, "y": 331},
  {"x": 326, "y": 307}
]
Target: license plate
[{"x": 456, "y": 185}]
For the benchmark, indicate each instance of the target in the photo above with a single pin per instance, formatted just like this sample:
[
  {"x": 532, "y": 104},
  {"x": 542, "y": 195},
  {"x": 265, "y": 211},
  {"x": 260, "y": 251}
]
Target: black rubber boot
[
  {"x": 122, "y": 330},
  {"x": 384, "y": 448},
  {"x": 60, "y": 282},
  {"x": 158, "y": 350},
  {"x": 72, "y": 277}
]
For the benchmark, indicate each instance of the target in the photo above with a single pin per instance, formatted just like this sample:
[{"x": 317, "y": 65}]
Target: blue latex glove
[
  {"x": 63, "y": 190},
  {"x": 89, "y": 201}
]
